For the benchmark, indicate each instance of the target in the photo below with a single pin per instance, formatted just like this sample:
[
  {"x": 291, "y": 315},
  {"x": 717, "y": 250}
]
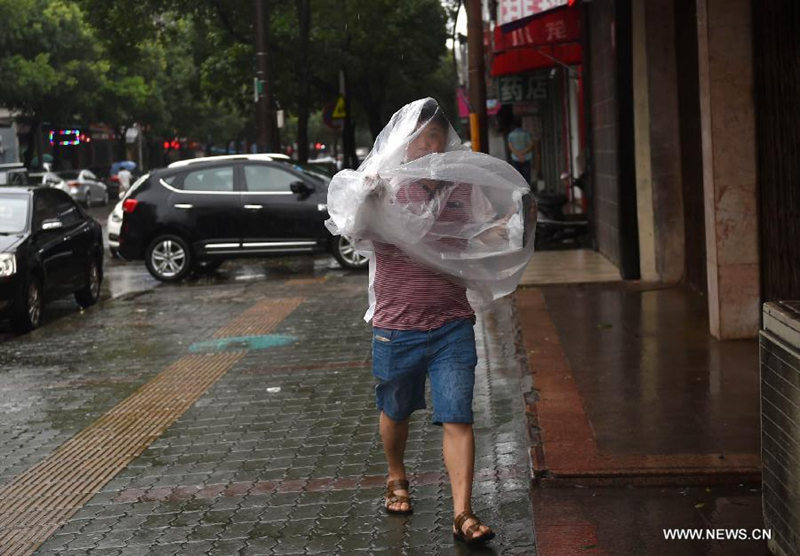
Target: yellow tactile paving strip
[
  {"x": 260, "y": 319},
  {"x": 37, "y": 502},
  {"x": 306, "y": 281}
]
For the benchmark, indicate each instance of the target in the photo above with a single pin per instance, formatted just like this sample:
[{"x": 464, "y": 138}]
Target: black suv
[{"x": 203, "y": 212}]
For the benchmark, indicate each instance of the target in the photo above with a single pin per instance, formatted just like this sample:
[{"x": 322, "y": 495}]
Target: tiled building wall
[
  {"x": 665, "y": 148},
  {"x": 605, "y": 175}
]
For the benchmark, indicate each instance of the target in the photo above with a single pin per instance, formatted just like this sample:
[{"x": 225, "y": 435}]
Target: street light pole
[
  {"x": 477, "y": 77},
  {"x": 265, "y": 116}
]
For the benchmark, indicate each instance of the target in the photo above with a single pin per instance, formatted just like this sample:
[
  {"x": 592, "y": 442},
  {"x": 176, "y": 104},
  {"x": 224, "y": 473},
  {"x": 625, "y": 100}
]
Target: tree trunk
[
  {"x": 349, "y": 159},
  {"x": 121, "y": 155},
  {"x": 32, "y": 144},
  {"x": 304, "y": 21}
]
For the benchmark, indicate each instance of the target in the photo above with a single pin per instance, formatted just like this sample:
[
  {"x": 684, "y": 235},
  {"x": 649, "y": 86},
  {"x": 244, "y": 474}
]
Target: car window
[
  {"x": 13, "y": 213},
  {"x": 209, "y": 179},
  {"x": 67, "y": 211},
  {"x": 45, "y": 207},
  {"x": 139, "y": 182},
  {"x": 260, "y": 177}
]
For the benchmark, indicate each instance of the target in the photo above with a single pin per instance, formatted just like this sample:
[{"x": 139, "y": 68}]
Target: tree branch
[{"x": 226, "y": 22}]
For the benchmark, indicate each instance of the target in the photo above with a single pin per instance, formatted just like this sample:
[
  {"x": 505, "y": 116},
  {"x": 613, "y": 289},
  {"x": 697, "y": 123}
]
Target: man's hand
[
  {"x": 495, "y": 234},
  {"x": 376, "y": 186}
]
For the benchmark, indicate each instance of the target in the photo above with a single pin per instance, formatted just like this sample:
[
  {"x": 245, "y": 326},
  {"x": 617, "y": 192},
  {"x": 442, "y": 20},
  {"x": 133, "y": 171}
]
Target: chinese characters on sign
[
  {"x": 512, "y": 10},
  {"x": 521, "y": 88},
  {"x": 562, "y": 26}
]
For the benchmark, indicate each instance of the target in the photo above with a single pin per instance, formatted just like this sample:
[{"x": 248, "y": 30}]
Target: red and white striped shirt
[{"x": 409, "y": 296}]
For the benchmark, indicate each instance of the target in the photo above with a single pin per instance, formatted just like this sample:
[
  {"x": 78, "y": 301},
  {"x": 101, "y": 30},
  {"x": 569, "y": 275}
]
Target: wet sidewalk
[
  {"x": 640, "y": 421},
  {"x": 237, "y": 419}
]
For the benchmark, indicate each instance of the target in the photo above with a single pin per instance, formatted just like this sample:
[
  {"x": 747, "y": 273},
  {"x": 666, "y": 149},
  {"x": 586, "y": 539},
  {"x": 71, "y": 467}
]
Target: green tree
[
  {"x": 390, "y": 50},
  {"x": 51, "y": 64}
]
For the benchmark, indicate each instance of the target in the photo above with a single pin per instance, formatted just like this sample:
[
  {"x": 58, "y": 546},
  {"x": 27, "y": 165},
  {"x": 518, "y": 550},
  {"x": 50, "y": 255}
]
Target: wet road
[
  {"x": 233, "y": 413},
  {"x": 129, "y": 277}
]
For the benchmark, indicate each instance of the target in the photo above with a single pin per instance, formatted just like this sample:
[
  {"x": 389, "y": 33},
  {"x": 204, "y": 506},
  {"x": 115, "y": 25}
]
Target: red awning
[
  {"x": 510, "y": 12},
  {"x": 548, "y": 40},
  {"x": 521, "y": 60},
  {"x": 558, "y": 27},
  {"x": 492, "y": 106}
]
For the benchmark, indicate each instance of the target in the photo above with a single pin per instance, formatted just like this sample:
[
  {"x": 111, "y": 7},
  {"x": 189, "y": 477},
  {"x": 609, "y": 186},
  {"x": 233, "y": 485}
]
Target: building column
[
  {"x": 641, "y": 124},
  {"x": 659, "y": 193},
  {"x": 727, "y": 114}
]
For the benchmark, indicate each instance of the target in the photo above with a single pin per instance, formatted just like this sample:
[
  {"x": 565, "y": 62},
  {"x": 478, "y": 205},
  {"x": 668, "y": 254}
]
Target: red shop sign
[{"x": 558, "y": 27}]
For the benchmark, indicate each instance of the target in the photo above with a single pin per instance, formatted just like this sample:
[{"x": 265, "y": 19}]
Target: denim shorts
[{"x": 403, "y": 359}]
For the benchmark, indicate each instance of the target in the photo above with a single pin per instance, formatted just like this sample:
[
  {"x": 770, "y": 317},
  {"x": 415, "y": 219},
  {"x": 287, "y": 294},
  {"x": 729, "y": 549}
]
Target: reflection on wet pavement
[
  {"x": 645, "y": 363},
  {"x": 632, "y": 521},
  {"x": 283, "y": 451}
]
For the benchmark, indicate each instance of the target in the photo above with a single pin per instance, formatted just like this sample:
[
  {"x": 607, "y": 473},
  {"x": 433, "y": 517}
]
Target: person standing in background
[
  {"x": 124, "y": 176},
  {"x": 520, "y": 143}
]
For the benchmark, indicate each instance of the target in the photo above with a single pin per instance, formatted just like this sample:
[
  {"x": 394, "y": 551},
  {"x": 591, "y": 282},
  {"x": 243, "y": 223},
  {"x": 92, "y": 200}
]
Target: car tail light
[
  {"x": 115, "y": 178},
  {"x": 129, "y": 205},
  {"x": 73, "y": 183}
]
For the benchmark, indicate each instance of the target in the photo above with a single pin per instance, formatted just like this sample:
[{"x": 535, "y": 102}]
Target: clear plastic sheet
[{"x": 464, "y": 214}]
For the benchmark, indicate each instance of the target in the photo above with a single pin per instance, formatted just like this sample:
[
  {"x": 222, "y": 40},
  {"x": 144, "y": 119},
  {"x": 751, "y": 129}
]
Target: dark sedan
[{"x": 49, "y": 247}]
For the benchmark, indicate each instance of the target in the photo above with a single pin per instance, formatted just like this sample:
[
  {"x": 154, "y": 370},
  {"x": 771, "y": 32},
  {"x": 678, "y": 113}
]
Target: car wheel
[
  {"x": 29, "y": 310},
  {"x": 90, "y": 294},
  {"x": 168, "y": 258},
  {"x": 345, "y": 252}
]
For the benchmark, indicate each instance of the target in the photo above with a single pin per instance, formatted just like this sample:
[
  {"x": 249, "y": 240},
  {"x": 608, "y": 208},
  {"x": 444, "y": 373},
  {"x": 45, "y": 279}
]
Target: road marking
[
  {"x": 40, "y": 500},
  {"x": 250, "y": 343}
]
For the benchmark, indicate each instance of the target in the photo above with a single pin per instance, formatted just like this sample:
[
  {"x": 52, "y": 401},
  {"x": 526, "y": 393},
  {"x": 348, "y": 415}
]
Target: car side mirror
[
  {"x": 51, "y": 224},
  {"x": 301, "y": 188}
]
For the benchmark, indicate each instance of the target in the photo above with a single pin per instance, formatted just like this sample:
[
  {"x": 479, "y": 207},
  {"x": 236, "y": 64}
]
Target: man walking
[{"x": 423, "y": 328}]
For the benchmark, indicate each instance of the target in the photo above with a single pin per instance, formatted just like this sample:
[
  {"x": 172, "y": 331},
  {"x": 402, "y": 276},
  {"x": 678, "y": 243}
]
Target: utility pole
[
  {"x": 349, "y": 159},
  {"x": 265, "y": 116},
  {"x": 477, "y": 77}
]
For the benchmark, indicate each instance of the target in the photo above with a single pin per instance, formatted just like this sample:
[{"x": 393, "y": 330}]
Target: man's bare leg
[
  {"x": 459, "y": 458},
  {"x": 394, "y": 435}
]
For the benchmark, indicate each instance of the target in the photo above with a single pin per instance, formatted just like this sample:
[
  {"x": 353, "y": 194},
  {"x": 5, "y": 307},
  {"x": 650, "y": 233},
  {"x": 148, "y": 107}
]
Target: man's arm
[{"x": 376, "y": 189}]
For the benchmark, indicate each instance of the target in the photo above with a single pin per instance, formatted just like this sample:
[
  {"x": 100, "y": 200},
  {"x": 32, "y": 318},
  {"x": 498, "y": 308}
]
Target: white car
[
  {"x": 114, "y": 222},
  {"x": 81, "y": 185}
]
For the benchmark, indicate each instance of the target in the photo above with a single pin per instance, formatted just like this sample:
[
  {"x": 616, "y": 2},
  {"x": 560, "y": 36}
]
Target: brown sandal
[
  {"x": 468, "y": 537},
  {"x": 392, "y": 498}
]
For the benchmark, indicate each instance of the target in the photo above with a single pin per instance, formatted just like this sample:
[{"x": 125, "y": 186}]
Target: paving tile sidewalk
[
  {"x": 282, "y": 454},
  {"x": 640, "y": 422}
]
